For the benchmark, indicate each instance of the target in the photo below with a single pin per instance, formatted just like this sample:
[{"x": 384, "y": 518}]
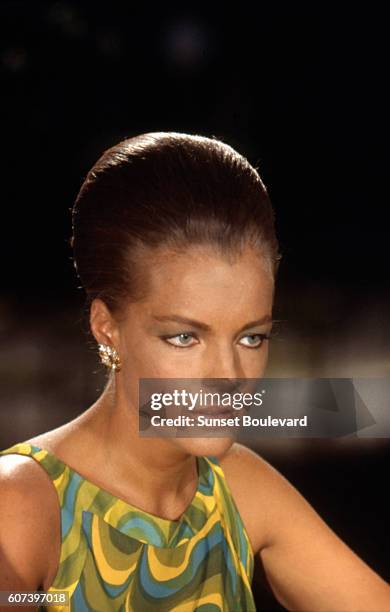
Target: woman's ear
[{"x": 103, "y": 325}]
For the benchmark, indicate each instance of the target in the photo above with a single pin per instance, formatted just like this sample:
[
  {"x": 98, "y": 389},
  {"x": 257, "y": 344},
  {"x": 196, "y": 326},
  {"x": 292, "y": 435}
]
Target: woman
[{"x": 174, "y": 243}]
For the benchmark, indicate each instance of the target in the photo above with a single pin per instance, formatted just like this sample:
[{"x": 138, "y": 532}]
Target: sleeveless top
[{"x": 117, "y": 557}]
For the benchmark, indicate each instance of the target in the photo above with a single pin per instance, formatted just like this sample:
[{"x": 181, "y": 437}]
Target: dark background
[{"x": 301, "y": 90}]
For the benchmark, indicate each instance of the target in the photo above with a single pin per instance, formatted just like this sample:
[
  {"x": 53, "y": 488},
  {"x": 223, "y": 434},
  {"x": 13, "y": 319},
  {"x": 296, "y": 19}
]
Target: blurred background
[{"x": 301, "y": 90}]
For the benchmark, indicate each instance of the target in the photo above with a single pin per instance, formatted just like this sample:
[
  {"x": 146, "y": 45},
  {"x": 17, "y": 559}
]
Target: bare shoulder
[
  {"x": 29, "y": 523},
  {"x": 66, "y": 441},
  {"x": 22, "y": 477},
  {"x": 51, "y": 440},
  {"x": 307, "y": 565},
  {"x": 259, "y": 491}
]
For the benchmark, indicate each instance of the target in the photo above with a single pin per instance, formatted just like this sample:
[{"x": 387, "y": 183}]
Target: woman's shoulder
[
  {"x": 25, "y": 487},
  {"x": 257, "y": 488},
  {"x": 26, "y": 470},
  {"x": 21, "y": 477},
  {"x": 29, "y": 521},
  {"x": 63, "y": 443}
]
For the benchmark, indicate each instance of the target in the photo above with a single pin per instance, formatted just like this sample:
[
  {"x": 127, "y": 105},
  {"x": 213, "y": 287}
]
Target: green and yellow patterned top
[{"x": 117, "y": 557}]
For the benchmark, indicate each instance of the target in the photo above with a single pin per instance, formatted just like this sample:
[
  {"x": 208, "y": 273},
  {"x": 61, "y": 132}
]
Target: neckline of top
[{"x": 125, "y": 506}]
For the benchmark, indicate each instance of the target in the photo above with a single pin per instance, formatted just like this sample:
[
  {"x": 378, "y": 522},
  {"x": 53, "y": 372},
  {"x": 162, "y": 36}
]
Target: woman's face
[{"x": 200, "y": 320}]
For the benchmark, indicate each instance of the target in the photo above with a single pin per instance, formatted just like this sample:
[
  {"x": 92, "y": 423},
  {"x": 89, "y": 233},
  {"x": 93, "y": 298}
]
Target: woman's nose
[{"x": 224, "y": 363}]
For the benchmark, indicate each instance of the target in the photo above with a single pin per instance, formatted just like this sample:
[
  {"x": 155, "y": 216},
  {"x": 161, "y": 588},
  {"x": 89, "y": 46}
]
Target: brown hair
[{"x": 165, "y": 190}]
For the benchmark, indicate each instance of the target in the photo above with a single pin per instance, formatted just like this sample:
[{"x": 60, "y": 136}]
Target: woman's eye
[
  {"x": 182, "y": 340},
  {"x": 256, "y": 340}
]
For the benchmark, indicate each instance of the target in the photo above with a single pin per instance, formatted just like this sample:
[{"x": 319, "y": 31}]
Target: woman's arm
[
  {"x": 27, "y": 527},
  {"x": 309, "y": 568}
]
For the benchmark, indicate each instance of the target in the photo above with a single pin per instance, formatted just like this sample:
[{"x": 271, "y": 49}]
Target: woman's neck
[{"x": 155, "y": 474}]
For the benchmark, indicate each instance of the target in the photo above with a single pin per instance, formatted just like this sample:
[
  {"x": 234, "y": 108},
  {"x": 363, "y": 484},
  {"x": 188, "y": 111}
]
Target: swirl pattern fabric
[{"x": 117, "y": 557}]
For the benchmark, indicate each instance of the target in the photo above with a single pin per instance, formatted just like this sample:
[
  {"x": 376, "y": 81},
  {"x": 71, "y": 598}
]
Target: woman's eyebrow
[{"x": 179, "y": 319}]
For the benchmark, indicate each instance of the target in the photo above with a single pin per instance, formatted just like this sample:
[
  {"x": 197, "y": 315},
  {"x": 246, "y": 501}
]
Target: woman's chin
[{"x": 206, "y": 445}]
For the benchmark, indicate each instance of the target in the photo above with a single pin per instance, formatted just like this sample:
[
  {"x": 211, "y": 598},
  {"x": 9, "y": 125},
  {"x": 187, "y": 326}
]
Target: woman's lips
[{"x": 216, "y": 411}]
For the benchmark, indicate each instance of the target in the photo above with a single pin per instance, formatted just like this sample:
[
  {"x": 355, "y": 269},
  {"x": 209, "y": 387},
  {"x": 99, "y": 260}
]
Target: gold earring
[{"x": 109, "y": 357}]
